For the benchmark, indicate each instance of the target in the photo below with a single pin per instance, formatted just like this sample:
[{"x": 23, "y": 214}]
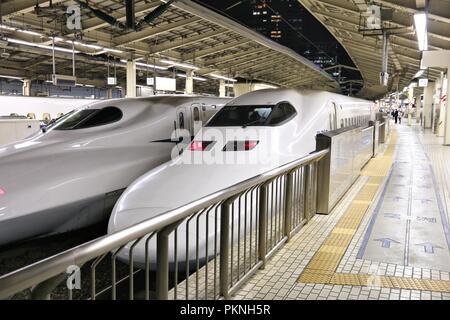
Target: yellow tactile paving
[
  {"x": 332, "y": 249},
  {"x": 322, "y": 267},
  {"x": 344, "y": 231},
  {"x": 316, "y": 276},
  {"x": 345, "y": 279}
]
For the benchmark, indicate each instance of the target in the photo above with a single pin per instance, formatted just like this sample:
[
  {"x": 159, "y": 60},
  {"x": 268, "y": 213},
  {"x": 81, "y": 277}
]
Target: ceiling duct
[
  {"x": 130, "y": 13},
  {"x": 104, "y": 16},
  {"x": 152, "y": 16}
]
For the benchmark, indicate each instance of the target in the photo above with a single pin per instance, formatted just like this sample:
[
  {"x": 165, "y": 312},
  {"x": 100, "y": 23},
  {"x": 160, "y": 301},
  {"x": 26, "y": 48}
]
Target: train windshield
[
  {"x": 88, "y": 118},
  {"x": 245, "y": 116},
  {"x": 235, "y": 116}
]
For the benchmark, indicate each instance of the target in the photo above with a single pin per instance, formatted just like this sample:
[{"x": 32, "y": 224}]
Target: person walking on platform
[
  {"x": 396, "y": 116},
  {"x": 400, "y": 115}
]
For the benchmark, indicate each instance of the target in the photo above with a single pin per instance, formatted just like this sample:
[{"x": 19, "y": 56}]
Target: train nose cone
[{"x": 122, "y": 219}]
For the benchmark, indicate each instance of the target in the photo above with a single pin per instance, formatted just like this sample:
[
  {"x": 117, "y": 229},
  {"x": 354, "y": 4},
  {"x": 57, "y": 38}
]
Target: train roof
[
  {"x": 274, "y": 96},
  {"x": 168, "y": 100}
]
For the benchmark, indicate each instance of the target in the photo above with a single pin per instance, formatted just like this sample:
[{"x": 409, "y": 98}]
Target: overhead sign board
[
  {"x": 423, "y": 82},
  {"x": 166, "y": 84}
]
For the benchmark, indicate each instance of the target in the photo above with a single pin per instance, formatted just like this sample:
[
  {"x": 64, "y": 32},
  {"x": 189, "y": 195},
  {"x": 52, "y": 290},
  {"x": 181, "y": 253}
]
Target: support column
[
  {"x": 445, "y": 111},
  {"x": 436, "y": 104},
  {"x": 26, "y": 88},
  {"x": 131, "y": 79},
  {"x": 222, "y": 89},
  {"x": 419, "y": 113},
  {"x": 428, "y": 105},
  {"x": 189, "y": 88},
  {"x": 441, "y": 58},
  {"x": 109, "y": 93},
  {"x": 410, "y": 103}
]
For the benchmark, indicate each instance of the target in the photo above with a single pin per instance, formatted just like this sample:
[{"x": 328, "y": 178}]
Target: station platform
[{"x": 388, "y": 238}]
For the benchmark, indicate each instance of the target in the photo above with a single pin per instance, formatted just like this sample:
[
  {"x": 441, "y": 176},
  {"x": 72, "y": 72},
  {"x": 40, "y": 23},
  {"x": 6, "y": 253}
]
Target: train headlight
[
  {"x": 240, "y": 145},
  {"x": 200, "y": 145}
]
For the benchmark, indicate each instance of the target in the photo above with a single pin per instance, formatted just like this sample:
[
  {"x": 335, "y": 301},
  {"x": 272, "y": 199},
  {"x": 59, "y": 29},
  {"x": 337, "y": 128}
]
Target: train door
[
  {"x": 332, "y": 116},
  {"x": 183, "y": 119},
  {"x": 197, "y": 117}
]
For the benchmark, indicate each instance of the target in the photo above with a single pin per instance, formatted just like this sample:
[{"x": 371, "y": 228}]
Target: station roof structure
[
  {"x": 344, "y": 20},
  {"x": 186, "y": 33}
]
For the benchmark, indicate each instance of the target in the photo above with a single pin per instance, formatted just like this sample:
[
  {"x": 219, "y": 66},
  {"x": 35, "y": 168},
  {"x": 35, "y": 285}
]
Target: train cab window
[
  {"x": 89, "y": 118},
  {"x": 259, "y": 115},
  {"x": 282, "y": 113}
]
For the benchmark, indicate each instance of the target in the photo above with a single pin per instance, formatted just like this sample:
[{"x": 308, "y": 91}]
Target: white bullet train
[
  {"x": 252, "y": 134},
  {"x": 70, "y": 176}
]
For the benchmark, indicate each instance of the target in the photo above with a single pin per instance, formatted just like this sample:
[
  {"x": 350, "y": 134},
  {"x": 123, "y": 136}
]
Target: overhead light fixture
[
  {"x": 11, "y": 77},
  {"x": 217, "y": 76},
  {"x": 181, "y": 75},
  {"x": 2, "y": 26},
  {"x": 91, "y": 46},
  {"x": 420, "y": 21},
  {"x": 113, "y": 50},
  {"x": 36, "y": 45},
  {"x": 180, "y": 64},
  {"x": 33, "y": 33},
  {"x": 419, "y": 74},
  {"x": 150, "y": 66}
]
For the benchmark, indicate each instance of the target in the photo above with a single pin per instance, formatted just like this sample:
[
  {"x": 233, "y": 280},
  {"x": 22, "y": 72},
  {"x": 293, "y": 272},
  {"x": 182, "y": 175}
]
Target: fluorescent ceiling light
[
  {"x": 11, "y": 77},
  {"x": 31, "y": 44},
  {"x": 419, "y": 74},
  {"x": 141, "y": 64},
  {"x": 222, "y": 77},
  {"x": 31, "y": 33},
  {"x": 420, "y": 21},
  {"x": 112, "y": 50},
  {"x": 91, "y": 46},
  {"x": 2, "y": 26},
  {"x": 181, "y": 75},
  {"x": 180, "y": 64}
]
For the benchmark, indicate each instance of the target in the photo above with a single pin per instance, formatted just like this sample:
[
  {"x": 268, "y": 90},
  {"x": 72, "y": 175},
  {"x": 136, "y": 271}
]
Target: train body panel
[
  {"x": 69, "y": 176},
  {"x": 286, "y": 124}
]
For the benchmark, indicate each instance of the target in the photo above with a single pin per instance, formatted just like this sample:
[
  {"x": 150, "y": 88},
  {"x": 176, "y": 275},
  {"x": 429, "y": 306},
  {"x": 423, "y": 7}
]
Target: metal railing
[{"x": 236, "y": 230}]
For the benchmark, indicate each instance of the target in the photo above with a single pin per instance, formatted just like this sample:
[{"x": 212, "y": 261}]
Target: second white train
[{"x": 251, "y": 135}]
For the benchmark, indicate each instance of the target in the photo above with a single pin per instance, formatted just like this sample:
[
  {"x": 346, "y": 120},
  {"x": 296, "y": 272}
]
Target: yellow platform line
[{"x": 323, "y": 265}]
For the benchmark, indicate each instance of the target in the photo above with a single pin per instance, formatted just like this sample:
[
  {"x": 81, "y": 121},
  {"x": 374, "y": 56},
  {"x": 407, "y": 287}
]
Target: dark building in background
[
  {"x": 290, "y": 24},
  {"x": 284, "y": 21}
]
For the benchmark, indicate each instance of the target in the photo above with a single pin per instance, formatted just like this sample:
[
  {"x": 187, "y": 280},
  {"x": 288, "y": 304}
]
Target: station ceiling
[
  {"x": 186, "y": 32},
  {"x": 343, "y": 18}
]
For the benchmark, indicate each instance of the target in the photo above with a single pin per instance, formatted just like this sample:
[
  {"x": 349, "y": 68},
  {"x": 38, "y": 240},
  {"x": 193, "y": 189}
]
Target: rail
[{"x": 249, "y": 222}]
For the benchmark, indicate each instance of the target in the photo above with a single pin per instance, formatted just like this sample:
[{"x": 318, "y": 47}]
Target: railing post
[
  {"x": 43, "y": 290},
  {"x": 225, "y": 247},
  {"x": 262, "y": 226},
  {"x": 307, "y": 189},
  {"x": 162, "y": 262},
  {"x": 288, "y": 205}
]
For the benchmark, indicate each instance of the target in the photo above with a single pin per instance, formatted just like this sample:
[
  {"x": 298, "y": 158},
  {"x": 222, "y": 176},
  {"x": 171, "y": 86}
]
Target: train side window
[
  {"x": 196, "y": 114},
  {"x": 181, "y": 120},
  {"x": 342, "y": 123}
]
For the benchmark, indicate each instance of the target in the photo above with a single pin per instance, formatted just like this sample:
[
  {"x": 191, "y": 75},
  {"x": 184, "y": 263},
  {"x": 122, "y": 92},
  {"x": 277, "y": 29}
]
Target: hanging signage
[
  {"x": 166, "y": 84},
  {"x": 150, "y": 81},
  {"x": 112, "y": 81},
  {"x": 423, "y": 82}
]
